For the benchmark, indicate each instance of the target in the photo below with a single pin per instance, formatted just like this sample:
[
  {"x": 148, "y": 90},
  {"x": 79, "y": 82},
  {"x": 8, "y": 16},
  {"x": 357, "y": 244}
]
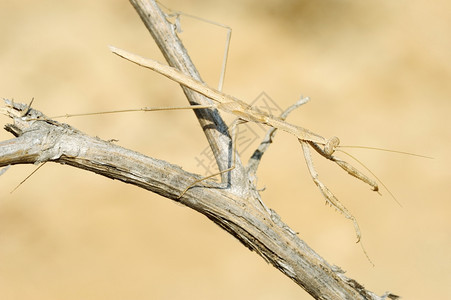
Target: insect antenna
[{"x": 387, "y": 150}]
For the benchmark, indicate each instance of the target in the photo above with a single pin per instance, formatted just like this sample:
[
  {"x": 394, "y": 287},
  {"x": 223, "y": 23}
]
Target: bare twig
[{"x": 256, "y": 157}]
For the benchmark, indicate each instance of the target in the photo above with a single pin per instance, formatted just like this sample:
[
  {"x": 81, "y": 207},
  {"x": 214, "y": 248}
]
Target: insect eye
[{"x": 331, "y": 144}]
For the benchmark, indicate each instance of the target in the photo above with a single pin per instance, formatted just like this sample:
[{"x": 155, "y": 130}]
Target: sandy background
[{"x": 378, "y": 74}]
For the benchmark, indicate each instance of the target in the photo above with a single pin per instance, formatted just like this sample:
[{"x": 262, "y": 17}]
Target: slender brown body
[{"x": 230, "y": 104}]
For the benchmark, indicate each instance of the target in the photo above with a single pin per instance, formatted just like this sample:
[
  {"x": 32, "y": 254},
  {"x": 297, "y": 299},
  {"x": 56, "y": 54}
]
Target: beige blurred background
[{"x": 378, "y": 74}]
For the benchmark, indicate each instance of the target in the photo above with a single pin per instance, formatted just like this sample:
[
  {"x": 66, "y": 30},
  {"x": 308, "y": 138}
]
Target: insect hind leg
[{"x": 177, "y": 27}]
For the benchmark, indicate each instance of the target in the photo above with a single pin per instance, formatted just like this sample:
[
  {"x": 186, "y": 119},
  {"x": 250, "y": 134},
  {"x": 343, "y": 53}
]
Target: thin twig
[{"x": 256, "y": 157}]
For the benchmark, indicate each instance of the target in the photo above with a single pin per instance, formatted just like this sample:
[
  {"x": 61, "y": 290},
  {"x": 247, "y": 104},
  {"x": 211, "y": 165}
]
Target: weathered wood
[{"x": 260, "y": 229}]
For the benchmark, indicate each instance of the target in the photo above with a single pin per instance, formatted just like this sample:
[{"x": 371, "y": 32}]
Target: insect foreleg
[
  {"x": 343, "y": 164},
  {"x": 330, "y": 198}
]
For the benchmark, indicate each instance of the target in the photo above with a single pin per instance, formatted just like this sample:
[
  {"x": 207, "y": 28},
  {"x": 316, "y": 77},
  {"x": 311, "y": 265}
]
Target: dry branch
[
  {"x": 235, "y": 207},
  {"x": 39, "y": 139}
]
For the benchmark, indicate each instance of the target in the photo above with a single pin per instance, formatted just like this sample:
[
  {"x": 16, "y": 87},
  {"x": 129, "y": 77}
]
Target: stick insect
[{"x": 247, "y": 113}]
